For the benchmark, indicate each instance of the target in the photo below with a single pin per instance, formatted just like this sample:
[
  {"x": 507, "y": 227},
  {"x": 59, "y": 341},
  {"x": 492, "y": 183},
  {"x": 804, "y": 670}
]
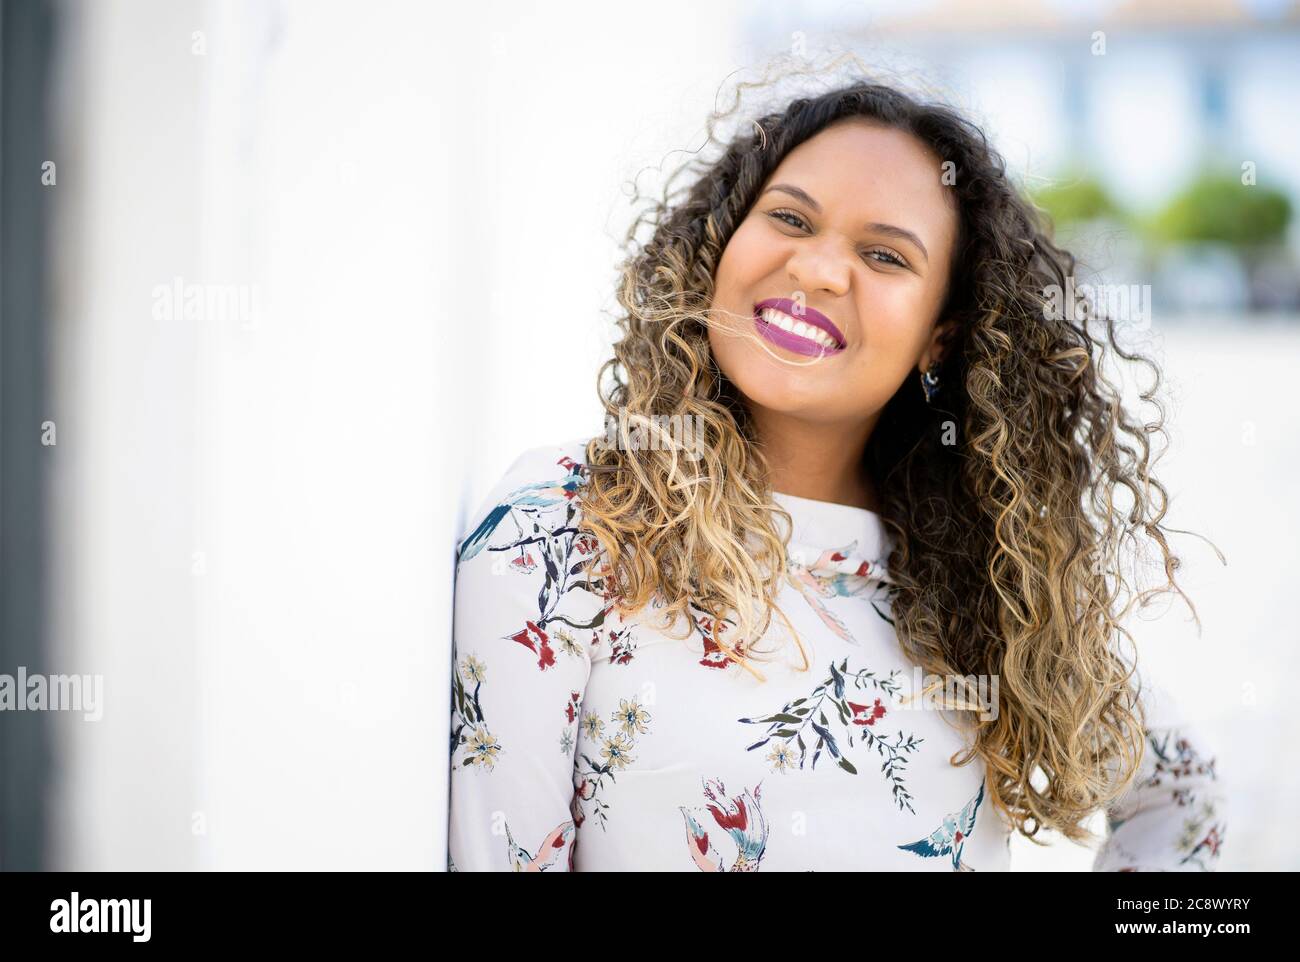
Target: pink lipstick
[{"x": 797, "y": 328}]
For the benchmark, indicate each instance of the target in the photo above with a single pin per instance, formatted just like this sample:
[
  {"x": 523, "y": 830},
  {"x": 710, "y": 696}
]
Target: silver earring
[{"x": 930, "y": 382}]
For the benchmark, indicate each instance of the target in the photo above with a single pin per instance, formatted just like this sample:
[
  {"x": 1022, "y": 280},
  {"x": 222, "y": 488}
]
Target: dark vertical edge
[{"x": 26, "y": 737}]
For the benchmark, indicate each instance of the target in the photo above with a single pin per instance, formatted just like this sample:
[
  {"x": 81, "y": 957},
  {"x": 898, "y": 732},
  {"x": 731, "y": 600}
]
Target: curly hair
[{"x": 999, "y": 499}]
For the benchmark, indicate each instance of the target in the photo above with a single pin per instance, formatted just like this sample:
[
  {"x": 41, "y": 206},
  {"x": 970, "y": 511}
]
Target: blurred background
[{"x": 287, "y": 285}]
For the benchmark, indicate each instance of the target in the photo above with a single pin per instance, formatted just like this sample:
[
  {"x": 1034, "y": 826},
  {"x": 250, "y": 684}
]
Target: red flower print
[
  {"x": 620, "y": 649},
  {"x": 534, "y": 639},
  {"x": 702, "y": 843},
  {"x": 738, "y": 819},
  {"x": 866, "y": 714},
  {"x": 714, "y": 656},
  {"x": 1213, "y": 840},
  {"x": 575, "y": 810}
]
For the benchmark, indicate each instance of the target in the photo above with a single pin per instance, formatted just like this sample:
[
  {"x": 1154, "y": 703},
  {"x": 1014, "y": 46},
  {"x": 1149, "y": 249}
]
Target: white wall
[{"x": 256, "y": 525}]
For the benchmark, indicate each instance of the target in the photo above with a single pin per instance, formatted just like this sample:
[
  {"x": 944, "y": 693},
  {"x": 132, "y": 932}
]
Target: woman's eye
[
  {"x": 789, "y": 217},
  {"x": 889, "y": 257}
]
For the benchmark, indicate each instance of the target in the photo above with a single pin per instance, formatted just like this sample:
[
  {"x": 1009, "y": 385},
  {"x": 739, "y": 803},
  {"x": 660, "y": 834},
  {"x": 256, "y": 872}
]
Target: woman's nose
[{"x": 817, "y": 268}]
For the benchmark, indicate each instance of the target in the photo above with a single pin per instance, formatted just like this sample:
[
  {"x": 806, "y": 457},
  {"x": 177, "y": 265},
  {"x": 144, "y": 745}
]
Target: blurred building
[{"x": 1142, "y": 95}]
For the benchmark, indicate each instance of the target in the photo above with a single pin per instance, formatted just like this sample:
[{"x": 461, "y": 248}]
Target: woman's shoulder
[
  {"x": 546, "y": 462},
  {"x": 541, "y": 485}
]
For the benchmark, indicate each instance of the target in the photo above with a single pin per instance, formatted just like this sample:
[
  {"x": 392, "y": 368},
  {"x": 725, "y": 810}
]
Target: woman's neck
[{"x": 816, "y": 460}]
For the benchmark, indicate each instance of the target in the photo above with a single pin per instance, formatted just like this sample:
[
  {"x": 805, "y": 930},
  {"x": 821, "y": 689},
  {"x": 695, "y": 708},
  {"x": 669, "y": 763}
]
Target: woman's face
[{"x": 853, "y": 232}]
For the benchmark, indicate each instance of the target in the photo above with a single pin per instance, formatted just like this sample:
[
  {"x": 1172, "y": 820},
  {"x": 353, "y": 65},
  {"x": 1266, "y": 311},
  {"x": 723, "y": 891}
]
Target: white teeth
[{"x": 787, "y": 323}]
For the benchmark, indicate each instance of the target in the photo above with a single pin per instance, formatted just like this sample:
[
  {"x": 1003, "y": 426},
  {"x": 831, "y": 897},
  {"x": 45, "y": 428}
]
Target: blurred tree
[
  {"x": 1218, "y": 207},
  {"x": 1076, "y": 199}
]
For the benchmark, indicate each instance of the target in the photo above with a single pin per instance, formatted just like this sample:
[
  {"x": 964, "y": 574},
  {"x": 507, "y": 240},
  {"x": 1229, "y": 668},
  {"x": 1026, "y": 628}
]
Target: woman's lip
[
  {"x": 791, "y": 341},
  {"x": 801, "y": 312}
]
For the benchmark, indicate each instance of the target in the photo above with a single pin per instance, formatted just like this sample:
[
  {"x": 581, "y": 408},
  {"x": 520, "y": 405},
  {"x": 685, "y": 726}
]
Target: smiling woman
[{"x": 617, "y": 603}]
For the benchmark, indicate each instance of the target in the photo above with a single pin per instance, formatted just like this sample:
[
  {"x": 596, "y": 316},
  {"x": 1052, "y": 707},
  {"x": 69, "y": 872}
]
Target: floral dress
[{"x": 584, "y": 741}]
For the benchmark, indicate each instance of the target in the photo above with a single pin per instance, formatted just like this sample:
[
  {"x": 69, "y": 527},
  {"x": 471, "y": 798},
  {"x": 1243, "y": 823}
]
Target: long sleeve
[
  {"x": 1173, "y": 816},
  {"x": 521, "y": 664}
]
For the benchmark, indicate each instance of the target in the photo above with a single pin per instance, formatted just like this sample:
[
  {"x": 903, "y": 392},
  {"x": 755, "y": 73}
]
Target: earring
[{"x": 930, "y": 382}]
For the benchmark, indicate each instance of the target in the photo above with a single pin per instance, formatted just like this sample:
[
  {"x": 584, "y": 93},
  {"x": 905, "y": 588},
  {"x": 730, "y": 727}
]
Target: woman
[{"x": 849, "y": 454}]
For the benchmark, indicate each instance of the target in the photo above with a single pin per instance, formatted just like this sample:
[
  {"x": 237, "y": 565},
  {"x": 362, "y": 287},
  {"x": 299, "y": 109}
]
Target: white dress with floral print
[{"x": 583, "y": 741}]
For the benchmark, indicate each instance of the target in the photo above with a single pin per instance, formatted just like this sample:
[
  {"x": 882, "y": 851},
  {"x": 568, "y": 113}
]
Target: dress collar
[{"x": 831, "y": 538}]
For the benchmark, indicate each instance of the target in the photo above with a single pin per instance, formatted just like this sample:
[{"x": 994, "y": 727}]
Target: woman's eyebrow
[{"x": 900, "y": 232}]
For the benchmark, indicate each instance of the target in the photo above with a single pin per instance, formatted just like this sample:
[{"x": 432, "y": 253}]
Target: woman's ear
[{"x": 940, "y": 339}]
